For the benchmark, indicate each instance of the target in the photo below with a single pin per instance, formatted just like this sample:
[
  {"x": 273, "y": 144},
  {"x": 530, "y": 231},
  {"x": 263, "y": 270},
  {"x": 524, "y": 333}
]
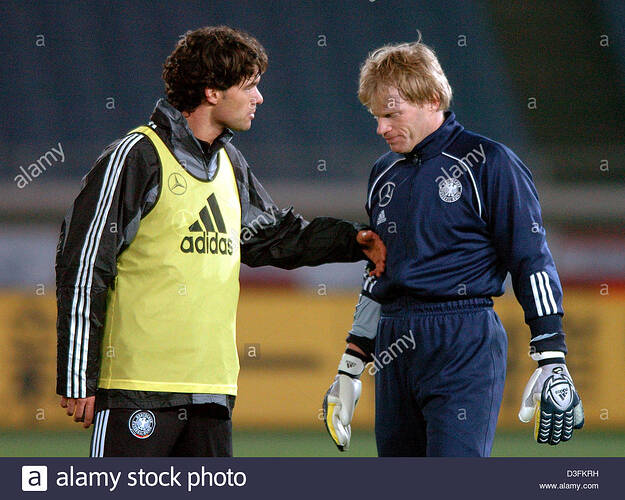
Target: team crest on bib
[
  {"x": 142, "y": 424},
  {"x": 450, "y": 190}
]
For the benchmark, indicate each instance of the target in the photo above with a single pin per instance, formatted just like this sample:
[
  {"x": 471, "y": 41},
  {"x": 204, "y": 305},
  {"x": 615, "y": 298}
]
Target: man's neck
[
  {"x": 201, "y": 124},
  {"x": 438, "y": 120},
  {"x": 434, "y": 123}
]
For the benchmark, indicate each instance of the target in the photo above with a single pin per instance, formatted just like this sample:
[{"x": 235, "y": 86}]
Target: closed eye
[{"x": 387, "y": 115}]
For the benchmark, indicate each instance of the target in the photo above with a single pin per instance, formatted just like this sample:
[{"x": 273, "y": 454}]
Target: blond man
[{"x": 457, "y": 212}]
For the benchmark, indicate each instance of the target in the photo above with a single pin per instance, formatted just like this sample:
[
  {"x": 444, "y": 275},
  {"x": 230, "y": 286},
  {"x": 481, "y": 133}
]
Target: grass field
[{"x": 315, "y": 444}]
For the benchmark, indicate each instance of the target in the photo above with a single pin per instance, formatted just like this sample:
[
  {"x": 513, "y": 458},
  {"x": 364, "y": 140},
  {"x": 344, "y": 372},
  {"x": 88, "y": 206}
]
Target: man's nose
[
  {"x": 383, "y": 127},
  {"x": 259, "y": 97}
]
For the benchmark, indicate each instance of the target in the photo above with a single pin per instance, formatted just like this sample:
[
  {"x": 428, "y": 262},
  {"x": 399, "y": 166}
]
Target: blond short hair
[{"x": 411, "y": 68}]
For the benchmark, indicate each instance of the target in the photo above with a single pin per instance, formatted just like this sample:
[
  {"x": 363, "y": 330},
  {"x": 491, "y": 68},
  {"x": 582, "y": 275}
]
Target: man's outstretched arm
[{"x": 283, "y": 238}]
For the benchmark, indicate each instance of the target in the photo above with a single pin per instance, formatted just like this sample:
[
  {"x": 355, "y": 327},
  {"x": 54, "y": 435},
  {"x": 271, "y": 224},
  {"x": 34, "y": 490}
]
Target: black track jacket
[{"x": 86, "y": 260}]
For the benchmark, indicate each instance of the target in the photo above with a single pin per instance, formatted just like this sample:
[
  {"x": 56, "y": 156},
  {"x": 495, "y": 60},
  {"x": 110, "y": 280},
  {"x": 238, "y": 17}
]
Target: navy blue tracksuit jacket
[{"x": 457, "y": 214}]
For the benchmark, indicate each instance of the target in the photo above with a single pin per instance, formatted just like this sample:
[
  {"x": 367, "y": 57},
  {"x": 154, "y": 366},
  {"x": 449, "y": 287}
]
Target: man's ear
[
  {"x": 434, "y": 105},
  {"x": 212, "y": 96}
]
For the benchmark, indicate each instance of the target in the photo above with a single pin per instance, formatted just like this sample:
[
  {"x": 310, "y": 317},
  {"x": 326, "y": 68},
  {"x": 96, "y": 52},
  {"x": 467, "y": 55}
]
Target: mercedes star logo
[
  {"x": 176, "y": 183},
  {"x": 386, "y": 193}
]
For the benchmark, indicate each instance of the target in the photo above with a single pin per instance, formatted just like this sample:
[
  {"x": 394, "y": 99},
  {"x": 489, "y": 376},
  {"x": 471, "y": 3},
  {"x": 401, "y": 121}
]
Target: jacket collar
[
  {"x": 186, "y": 147},
  {"x": 438, "y": 140}
]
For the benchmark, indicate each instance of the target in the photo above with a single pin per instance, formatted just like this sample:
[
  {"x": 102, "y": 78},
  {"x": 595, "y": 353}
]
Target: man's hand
[
  {"x": 375, "y": 250},
  {"x": 338, "y": 409},
  {"x": 80, "y": 408},
  {"x": 550, "y": 397},
  {"x": 340, "y": 401}
]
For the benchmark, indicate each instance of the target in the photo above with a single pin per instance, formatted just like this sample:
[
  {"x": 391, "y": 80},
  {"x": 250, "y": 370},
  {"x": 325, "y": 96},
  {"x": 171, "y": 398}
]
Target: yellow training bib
[{"x": 171, "y": 316}]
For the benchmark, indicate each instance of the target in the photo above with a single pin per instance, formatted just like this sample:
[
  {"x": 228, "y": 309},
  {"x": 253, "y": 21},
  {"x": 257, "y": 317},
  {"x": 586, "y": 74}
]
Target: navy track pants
[{"x": 439, "y": 377}]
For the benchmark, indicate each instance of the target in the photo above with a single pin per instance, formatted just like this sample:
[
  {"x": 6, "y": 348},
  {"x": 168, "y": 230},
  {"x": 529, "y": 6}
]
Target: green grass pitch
[{"x": 265, "y": 443}]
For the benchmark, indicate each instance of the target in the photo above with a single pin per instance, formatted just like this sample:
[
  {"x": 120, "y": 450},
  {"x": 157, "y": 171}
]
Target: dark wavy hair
[{"x": 216, "y": 57}]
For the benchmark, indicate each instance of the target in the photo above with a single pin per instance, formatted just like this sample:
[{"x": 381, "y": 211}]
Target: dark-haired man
[{"x": 148, "y": 260}]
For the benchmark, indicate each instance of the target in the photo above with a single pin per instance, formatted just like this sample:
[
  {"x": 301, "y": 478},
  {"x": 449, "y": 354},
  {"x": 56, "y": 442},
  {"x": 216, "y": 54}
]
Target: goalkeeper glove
[
  {"x": 550, "y": 397},
  {"x": 341, "y": 399}
]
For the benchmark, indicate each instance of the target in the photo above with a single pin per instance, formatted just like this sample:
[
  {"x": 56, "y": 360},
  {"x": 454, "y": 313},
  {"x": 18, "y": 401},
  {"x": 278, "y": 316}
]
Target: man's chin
[
  {"x": 241, "y": 127},
  {"x": 397, "y": 148}
]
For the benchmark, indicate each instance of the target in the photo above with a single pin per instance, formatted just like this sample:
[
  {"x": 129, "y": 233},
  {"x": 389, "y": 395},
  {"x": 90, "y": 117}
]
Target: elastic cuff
[
  {"x": 552, "y": 361},
  {"x": 547, "y": 334},
  {"x": 548, "y": 342},
  {"x": 366, "y": 344},
  {"x": 357, "y": 354},
  {"x": 545, "y": 324}
]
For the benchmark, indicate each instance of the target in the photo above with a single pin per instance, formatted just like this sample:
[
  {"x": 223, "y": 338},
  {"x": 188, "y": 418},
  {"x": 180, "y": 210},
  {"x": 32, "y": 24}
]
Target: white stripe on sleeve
[
  {"x": 543, "y": 293},
  {"x": 81, "y": 304},
  {"x": 550, "y": 292},
  {"x": 539, "y": 309}
]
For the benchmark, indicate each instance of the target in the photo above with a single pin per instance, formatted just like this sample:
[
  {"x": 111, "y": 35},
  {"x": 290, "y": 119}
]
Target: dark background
[
  {"x": 549, "y": 51},
  {"x": 546, "y": 78}
]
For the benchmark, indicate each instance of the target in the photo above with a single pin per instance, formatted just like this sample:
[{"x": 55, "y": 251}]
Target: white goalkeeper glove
[
  {"x": 551, "y": 399},
  {"x": 341, "y": 399}
]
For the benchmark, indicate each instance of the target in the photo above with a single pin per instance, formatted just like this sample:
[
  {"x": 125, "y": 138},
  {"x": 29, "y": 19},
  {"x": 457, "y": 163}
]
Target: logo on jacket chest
[
  {"x": 177, "y": 183},
  {"x": 386, "y": 193},
  {"x": 209, "y": 234},
  {"x": 450, "y": 190},
  {"x": 381, "y": 218}
]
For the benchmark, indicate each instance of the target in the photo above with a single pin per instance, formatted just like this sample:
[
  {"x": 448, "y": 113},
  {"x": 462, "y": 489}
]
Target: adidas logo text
[{"x": 208, "y": 243}]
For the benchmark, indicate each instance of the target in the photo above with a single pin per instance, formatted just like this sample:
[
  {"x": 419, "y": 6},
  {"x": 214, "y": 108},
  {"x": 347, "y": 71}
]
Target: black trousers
[{"x": 201, "y": 430}]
